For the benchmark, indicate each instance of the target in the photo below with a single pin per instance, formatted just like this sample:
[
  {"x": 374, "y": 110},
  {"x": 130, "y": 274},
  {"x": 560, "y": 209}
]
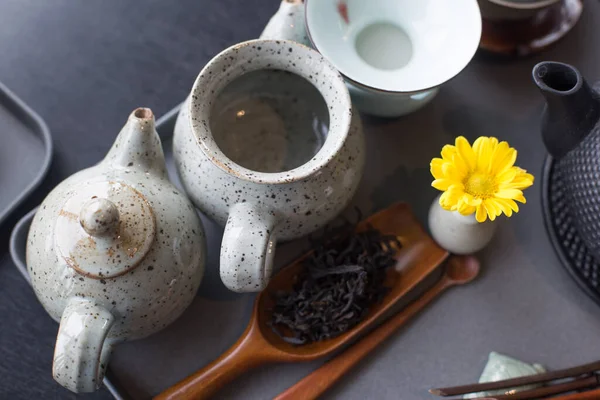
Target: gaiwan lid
[{"x": 105, "y": 229}]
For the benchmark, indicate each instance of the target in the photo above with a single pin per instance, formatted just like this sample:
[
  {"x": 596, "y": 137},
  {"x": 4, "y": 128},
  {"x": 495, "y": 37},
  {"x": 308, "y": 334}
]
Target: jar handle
[
  {"x": 248, "y": 248},
  {"x": 81, "y": 353}
]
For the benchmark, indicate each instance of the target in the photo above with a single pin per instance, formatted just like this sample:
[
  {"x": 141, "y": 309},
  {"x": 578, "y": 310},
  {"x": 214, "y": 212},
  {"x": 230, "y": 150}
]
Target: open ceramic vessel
[{"x": 394, "y": 55}]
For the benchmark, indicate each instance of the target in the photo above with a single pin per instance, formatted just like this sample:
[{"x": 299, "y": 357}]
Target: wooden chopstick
[
  {"x": 515, "y": 382},
  {"x": 589, "y": 395},
  {"x": 585, "y": 382}
]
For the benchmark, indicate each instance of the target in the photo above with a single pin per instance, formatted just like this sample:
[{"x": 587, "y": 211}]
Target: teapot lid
[{"x": 105, "y": 229}]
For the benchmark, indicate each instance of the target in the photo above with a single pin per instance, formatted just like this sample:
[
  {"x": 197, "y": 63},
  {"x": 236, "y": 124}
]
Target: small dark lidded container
[
  {"x": 571, "y": 134},
  {"x": 343, "y": 277}
]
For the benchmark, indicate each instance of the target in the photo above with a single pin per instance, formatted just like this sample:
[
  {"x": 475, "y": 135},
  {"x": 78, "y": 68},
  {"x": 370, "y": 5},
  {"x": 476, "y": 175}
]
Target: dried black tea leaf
[{"x": 341, "y": 280}]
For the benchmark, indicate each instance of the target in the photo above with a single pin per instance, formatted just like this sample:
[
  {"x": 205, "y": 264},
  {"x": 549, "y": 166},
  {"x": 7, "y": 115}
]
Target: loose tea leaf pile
[{"x": 340, "y": 281}]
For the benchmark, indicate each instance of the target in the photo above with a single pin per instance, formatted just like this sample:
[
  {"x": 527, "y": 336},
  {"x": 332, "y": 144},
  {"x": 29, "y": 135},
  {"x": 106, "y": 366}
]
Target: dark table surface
[{"x": 83, "y": 66}]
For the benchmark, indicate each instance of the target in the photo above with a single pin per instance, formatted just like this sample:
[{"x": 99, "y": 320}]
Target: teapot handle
[
  {"x": 81, "y": 353},
  {"x": 248, "y": 248}
]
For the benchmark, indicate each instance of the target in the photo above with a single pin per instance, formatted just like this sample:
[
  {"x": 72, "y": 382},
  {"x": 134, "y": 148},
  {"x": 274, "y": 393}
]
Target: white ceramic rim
[
  {"x": 236, "y": 66},
  {"x": 380, "y": 90}
]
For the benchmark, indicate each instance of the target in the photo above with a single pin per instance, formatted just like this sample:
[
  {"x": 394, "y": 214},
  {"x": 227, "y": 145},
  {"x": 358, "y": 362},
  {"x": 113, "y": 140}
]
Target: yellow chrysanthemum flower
[{"x": 481, "y": 179}]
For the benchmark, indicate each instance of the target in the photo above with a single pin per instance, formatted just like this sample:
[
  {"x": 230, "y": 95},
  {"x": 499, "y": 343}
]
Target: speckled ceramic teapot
[
  {"x": 115, "y": 252},
  {"x": 268, "y": 145}
]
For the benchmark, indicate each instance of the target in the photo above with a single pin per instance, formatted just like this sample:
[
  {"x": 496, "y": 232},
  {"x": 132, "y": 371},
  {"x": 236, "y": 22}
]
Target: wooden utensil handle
[
  {"x": 589, "y": 395},
  {"x": 315, "y": 384},
  {"x": 203, "y": 384}
]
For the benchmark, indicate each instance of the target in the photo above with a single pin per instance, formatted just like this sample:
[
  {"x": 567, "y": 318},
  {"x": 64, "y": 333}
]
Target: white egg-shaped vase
[{"x": 457, "y": 233}]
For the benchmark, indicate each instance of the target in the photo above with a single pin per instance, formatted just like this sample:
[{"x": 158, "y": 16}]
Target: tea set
[{"x": 269, "y": 144}]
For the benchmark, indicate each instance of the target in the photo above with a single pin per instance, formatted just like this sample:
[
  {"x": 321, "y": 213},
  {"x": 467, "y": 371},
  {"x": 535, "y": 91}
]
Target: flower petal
[
  {"x": 460, "y": 166},
  {"x": 483, "y": 150},
  {"x": 522, "y": 180},
  {"x": 507, "y": 176},
  {"x": 466, "y": 209},
  {"x": 508, "y": 206},
  {"x": 449, "y": 199},
  {"x": 451, "y": 171},
  {"x": 466, "y": 152},
  {"x": 502, "y": 205},
  {"x": 436, "y": 168},
  {"x": 471, "y": 200},
  {"x": 448, "y": 152},
  {"x": 504, "y": 158},
  {"x": 442, "y": 184},
  {"x": 480, "y": 214},
  {"x": 509, "y": 194},
  {"x": 491, "y": 209}
]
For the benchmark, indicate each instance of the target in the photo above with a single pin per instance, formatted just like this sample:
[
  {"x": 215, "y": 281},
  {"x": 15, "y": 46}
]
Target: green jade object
[{"x": 500, "y": 367}]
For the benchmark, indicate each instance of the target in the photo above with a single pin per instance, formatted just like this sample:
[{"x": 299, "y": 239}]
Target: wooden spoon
[
  {"x": 589, "y": 395},
  {"x": 417, "y": 259},
  {"x": 459, "y": 270}
]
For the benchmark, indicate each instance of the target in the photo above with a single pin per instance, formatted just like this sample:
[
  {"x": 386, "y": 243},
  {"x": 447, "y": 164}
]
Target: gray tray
[
  {"x": 214, "y": 321},
  {"x": 26, "y": 144}
]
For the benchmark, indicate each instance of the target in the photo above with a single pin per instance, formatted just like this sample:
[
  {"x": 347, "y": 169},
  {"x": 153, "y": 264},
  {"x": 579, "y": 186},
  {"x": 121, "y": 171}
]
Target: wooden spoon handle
[
  {"x": 315, "y": 384},
  {"x": 589, "y": 395},
  {"x": 248, "y": 352}
]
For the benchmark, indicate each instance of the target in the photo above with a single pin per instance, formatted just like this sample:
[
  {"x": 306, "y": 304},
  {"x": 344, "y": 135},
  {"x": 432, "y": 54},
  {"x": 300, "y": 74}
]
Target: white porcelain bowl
[{"x": 394, "y": 54}]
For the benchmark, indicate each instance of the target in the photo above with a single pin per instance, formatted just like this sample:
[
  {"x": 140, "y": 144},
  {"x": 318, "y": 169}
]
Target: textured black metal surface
[
  {"x": 577, "y": 173},
  {"x": 570, "y": 248}
]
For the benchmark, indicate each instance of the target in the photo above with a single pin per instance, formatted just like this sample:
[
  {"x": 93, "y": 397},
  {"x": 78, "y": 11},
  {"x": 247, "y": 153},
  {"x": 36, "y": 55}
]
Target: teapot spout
[
  {"x": 572, "y": 107},
  {"x": 138, "y": 145},
  {"x": 287, "y": 23}
]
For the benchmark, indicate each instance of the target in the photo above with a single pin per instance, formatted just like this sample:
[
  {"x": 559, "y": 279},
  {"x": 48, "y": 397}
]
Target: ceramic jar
[
  {"x": 282, "y": 186},
  {"x": 115, "y": 252},
  {"x": 457, "y": 233}
]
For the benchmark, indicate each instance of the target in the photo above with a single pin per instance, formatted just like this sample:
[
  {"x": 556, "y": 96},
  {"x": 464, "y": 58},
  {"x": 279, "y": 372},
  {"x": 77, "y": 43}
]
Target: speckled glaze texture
[
  {"x": 81, "y": 341},
  {"x": 457, "y": 233},
  {"x": 287, "y": 23},
  {"x": 276, "y": 206},
  {"x": 117, "y": 243}
]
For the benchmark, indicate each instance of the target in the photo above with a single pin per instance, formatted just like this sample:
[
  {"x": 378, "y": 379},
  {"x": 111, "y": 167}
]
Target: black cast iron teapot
[{"x": 571, "y": 134}]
